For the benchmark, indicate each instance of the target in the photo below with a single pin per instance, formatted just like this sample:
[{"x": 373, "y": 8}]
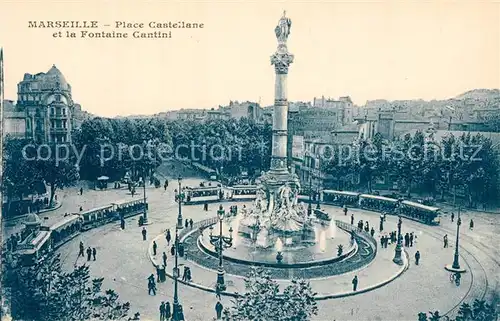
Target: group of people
[{"x": 91, "y": 252}]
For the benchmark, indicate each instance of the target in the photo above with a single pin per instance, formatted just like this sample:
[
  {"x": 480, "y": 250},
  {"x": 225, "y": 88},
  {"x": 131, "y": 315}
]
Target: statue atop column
[{"x": 282, "y": 30}]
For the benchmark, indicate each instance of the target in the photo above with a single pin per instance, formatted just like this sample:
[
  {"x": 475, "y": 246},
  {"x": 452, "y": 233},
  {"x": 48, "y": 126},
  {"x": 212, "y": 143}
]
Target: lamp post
[
  {"x": 220, "y": 242},
  {"x": 318, "y": 206},
  {"x": 309, "y": 207},
  {"x": 397, "y": 254},
  {"x": 145, "y": 216},
  {"x": 455, "y": 267},
  {"x": 179, "y": 199},
  {"x": 177, "y": 307}
]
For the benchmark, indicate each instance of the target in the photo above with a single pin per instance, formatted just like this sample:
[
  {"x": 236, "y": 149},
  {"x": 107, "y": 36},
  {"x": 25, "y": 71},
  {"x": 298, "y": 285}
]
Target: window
[
  {"x": 52, "y": 111},
  {"x": 58, "y": 98}
]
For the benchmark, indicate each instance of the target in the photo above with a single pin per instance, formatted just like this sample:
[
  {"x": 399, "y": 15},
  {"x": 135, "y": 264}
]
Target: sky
[{"x": 364, "y": 49}]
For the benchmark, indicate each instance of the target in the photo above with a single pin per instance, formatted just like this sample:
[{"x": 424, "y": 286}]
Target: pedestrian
[
  {"x": 81, "y": 208},
  {"x": 345, "y": 210},
  {"x": 411, "y": 239},
  {"x": 82, "y": 250},
  {"x": 352, "y": 219},
  {"x": 381, "y": 225},
  {"x": 89, "y": 253},
  {"x": 445, "y": 240},
  {"x": 151, "y": 284},
  {"x": 164, "y": 256},
  {"x": 94, "y": 252},
  {"x": 157, "y": 273},
  {"x": 144, "y": 233},
  {"x": 154, "y": 248},
  {"x": 452, "y": 216},
  {"x": 165, "y": 187},
  {"x": 162, "y": 311},
  {"x": 186, "y": 223},
  {"x": 168, "y": 314},
  {"x": 81, "y": 190},
  {"x": 218, "y": 310},
  {"x": 218, "y": 291},
  {"x": 191, "y": 222},
  {"x": 168, "y": 237},
  {"x": 172, "y": 250},
  {"x": 471, "y": 225},
  {"x": 122, "y": 223},
  {"x": 372, "y": 232},
  {"x": 407, "y": 240},
  {"x": 417, "y": 257},
  {"x": 355, "y": 283},
  {"x": 185, "y": 274}
]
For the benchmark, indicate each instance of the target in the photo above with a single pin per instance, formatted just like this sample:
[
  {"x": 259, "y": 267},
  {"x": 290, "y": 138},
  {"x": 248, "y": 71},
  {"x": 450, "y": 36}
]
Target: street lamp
[
  {"x": 179, "y": 199},
  {"x": 177, "y": 307},
  {"x": 221, "y": 242},
  {"x": 455, "y": 267},
  {"x": 145, "y": 216},
  {"x": 397, "y": 254},
  {"x": 318, "y": 206},
  {"x": 309, "y": 207}
]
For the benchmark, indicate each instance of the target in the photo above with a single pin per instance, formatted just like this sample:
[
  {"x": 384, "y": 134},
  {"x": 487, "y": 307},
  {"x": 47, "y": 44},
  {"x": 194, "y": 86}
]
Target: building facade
[{"x": 45, "y": 110}]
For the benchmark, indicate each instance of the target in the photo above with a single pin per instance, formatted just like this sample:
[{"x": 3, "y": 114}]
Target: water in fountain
[
  {"x": 322, "y": 241},
  {"x": 332, "y": 229},
  {"x": 262, "y": 238},
  {"x": 278, "y": 246}
]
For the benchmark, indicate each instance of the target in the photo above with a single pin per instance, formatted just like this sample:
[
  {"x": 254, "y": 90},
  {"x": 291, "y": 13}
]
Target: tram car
[
  {"x": 206, "y": 194},
  {"x": 377, "y": 203},
  {"x": 65, "y": 230},
  {"x": 341, "y": 198},
  {"x": 127, "y": 207},
  {"x": 426, "y": 214},
  {"x": 243, "y": 192},
  {"x": 96, "y": 217}
]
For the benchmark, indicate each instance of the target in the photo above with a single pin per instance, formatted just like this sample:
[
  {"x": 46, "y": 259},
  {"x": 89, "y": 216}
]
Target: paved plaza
[{"x": 125, "y": 261}]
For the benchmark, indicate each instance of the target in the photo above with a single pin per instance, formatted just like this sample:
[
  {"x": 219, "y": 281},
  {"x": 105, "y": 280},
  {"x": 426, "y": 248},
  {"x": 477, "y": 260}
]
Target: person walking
[
  {"x": 94, "y": 252},
  {"x": 372, "y": 231},
  {"x": 155, "y": 246},
  {"x": 355, "y": 283},
  {"x": 411, "y": 239},
  {"x": 445, "y": 240},
  {"x": 452, "y": 216},
  {"x": 186, "y": 223},
  {"x": 471, "y": 225},
  {"x": 168, "y": 313},
  {"x": 82, "y": 250},
  {"x": 352, "y": 219},
  {"x": 162, "y": 311},
  {"x": 168, "y": 237},
  {"x": 89, "y": 253},
  {"x": 191, "y": 222},
  {"x": 417, "y": 257},
  {"x": 218, "y": 291},
  {"x": 144, "y": 233},
  {"x": 81, "y": 190},
  {"x": 218, "y": 310},
  {"x": 172, "y": 250},
  {"x": 164, "y": 257},
  {"x": 345, "y": 210}
]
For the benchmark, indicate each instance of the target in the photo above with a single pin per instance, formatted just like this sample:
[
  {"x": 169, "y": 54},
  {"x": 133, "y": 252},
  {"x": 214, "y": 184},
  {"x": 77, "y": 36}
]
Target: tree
[
  {"x": 56, "y": 173},
  {"x": 263, "y": 300},
  {"x": 371, "y": 161},
  {"x": 480, "y": 311},
  {"x": 43, "y": 292}
]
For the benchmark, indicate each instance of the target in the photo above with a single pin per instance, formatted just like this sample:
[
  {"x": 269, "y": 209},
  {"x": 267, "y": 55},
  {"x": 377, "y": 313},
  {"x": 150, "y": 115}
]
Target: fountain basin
[{"x": 295, "y": 254}]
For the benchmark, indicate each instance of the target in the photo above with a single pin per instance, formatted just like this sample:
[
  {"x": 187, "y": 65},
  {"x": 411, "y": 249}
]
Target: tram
[
  {"x": 97, "y": 217},
  {"x": 341, "y": 198},
  {"x": 127, "y": 207},
  {"x": 419, "y": 212},
  {"x": 207, "y": 194},
  {"x": 243, "y": 192},
  {"x": 377, "y": 203},
  {"x": 65, "y": 230}
]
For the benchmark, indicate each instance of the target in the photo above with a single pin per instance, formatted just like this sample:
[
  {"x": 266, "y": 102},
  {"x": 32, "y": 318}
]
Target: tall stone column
[{"x": 281, "y": 60}]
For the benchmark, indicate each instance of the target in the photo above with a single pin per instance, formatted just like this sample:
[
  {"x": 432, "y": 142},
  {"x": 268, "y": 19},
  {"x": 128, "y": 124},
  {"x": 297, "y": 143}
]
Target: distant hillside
[{"x": 481, "y": 94}]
